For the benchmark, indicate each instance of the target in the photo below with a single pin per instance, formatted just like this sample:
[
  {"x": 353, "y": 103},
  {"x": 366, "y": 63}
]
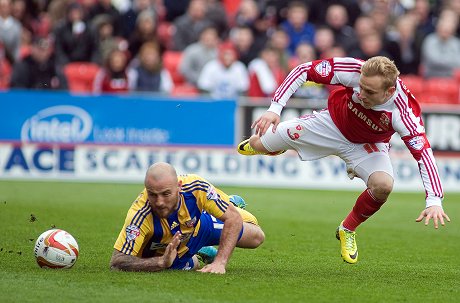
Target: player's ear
[
  {"x": 179, "y": 184},
  {"x": 391, "y": 90}
]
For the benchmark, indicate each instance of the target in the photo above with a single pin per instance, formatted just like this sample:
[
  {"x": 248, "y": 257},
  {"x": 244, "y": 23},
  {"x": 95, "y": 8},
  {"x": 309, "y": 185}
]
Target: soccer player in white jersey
[{"x": 370, "y": 104}]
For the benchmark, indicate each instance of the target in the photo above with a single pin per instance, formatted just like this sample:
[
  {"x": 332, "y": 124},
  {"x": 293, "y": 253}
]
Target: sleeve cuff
[
  {"x": 433, "y": 201},
  {"x": 275, "y": 108}
]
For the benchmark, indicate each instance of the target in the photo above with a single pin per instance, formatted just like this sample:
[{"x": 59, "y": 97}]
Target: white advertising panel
[{"x": 223, "y": 166}]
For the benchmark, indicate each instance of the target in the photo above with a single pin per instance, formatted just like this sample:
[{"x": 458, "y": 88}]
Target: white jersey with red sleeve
[{"x": 401, "y": 114}]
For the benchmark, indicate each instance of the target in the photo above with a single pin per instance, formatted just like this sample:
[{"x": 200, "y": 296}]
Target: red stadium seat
[
  {"x": 165, "y": 32},
  {"x": 441, "y": 91},
  {"x": 415, "y": 84},
  {"x": 5, "y": 74},
  {"x": 80, "y": 76},
  {"x": 171, "y": 60}
]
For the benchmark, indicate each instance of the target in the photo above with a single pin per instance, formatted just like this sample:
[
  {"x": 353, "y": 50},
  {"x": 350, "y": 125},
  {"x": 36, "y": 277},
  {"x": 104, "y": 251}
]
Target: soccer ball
[{"x": 56, "y": 248}]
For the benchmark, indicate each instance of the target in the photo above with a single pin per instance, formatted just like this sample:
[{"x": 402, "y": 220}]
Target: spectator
[
  {"x": 297, "y": 26},
  {"x": 279, "y": 40},
  {"x": 370, "y": 45},
  {"x": 37, "y": 70},
  {"x": 441, "y": 49},
  {"x": 189, "y": 26},
  {"x": 73, "y": 38},
  {"x": 408, "y": 54},
  {"x": 305, "y": 52},
  {"x": 337, "y": 20},
  {"x": 250, "y": 15},
  {"x": 243, "y": 39},
  {"x": 216, "y": 14},
  {"x": 149, "y": 75},
  {"x": 196, "y": 55},
  {"x": 104, "y": 40},
  {"x": 10, "y": 32},
  {"x": 318, "y": 10},
  {"x": 265, "y": 73},
  {"x": 224, "y": 77},
  {"x": 114, "y": 76},
  {"x": 145, "y": 31},
  {"x": 105, "y": 7},
  {"x": 425, "y": 19},
  {"x": 129, "y": 18},
  {"x": 324, "y": 40}
]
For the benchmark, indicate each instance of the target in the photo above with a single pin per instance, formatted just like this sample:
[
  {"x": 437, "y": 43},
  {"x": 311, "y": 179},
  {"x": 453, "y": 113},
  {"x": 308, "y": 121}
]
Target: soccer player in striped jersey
[
  {"x": 177, "y": 219},
  {"x": 370, "y": 104}
]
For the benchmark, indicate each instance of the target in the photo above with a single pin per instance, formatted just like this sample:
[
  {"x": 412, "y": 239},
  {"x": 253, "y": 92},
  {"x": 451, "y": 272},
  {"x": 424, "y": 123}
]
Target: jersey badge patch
[
  {"x": 384, "y": 121},
  {"x": 190, "y": 223},
  {"x": 417, "y": 142},
  {"x": 323, "y": 68},
  {"x": 211, "y": 194},
  {"x": 132, "y": 232}
]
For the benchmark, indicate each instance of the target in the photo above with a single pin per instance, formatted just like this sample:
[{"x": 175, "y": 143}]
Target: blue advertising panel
[{"x": 63, "y": 118}]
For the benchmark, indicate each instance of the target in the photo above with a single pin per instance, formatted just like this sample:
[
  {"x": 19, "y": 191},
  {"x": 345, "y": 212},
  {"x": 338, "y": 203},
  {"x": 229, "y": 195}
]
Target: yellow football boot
[
  {"x": 348, "y": 247},
  {"x": 246, "y": 149}
]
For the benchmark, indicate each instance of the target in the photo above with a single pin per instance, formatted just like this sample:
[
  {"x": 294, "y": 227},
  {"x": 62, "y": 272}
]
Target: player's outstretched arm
[
  {"x": 125, "y": 262},
  {"x": 232, "y": 227},
  {"x": 264, "y": 122},
  {"x": 433, "y": 212}
]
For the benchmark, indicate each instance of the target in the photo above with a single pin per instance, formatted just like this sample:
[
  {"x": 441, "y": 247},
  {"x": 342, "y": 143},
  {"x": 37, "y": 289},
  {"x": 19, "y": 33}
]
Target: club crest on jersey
[
  {"x": 384, "y": 121},
  {"x": 211, "y": 194},
  {"x": 190, "y": 223},
  {"x": 417, "y": 142},
  {"x": 132, "y": 232},
  {"x": 323, "y": 68},
  {"x": 295, "y": 132}
]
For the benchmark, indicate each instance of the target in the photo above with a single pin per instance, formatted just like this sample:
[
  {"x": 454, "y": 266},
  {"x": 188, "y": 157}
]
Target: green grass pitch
[{"x": 400, "y": 260}]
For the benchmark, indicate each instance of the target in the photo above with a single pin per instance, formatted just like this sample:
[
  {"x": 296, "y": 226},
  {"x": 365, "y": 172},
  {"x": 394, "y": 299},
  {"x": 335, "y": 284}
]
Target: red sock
[{"x": 366, "y": 205}]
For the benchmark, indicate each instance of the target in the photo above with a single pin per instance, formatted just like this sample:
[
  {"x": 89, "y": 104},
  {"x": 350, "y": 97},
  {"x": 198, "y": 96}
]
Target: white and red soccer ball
[{"x": 56, "y": 248}]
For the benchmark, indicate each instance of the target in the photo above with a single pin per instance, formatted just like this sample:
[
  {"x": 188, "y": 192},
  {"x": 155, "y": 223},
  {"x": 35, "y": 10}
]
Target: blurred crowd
[{"x": 224, "y": 48}]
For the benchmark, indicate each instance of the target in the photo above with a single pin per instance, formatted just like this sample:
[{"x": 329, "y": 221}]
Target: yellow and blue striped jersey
[{"x": 145, "y": 235}]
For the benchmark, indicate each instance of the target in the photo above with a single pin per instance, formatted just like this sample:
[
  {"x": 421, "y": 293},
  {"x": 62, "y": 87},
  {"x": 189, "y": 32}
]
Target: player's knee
[
  {"x": 381, "y": 185},
  {"x": 259, "y": 238}
]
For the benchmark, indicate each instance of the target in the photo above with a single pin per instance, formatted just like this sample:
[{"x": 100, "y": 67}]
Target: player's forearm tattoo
[{"x": 124, "y": 262}]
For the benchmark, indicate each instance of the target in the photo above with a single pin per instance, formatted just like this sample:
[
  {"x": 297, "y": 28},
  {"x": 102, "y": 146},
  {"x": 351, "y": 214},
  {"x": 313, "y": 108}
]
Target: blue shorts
[{"x": 208, "y": 235}]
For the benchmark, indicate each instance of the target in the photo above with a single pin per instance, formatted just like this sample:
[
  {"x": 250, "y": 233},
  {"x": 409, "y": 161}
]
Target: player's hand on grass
[
  {"x": 264, "y": 122},
  {"x": 214, "y": 268},
  {"x": 433, "y": 212},
  {"x": 171, "y": 251}
]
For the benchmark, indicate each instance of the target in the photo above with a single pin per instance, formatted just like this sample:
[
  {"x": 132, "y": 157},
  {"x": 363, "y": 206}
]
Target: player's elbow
[{"x": 115, "y": 261}]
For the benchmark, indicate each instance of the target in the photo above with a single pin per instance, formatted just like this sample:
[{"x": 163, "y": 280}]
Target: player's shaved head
[
  {"x": 162, "y": 188},
  {"x": 160, "y": 171}
]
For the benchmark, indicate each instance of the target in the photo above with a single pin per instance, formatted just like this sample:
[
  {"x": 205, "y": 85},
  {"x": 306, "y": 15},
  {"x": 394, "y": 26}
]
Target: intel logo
[{"x": 65, "y": 124}]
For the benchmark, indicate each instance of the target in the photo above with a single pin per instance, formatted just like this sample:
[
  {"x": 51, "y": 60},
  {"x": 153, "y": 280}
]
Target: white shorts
[{"x": 315, "y": 136}]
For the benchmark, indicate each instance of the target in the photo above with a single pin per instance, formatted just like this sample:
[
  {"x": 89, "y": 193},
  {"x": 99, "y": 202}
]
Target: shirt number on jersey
[{"x": 371, "y": 148}]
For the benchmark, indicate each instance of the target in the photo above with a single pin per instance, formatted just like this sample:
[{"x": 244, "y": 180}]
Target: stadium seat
[
  {"x": 185, "y": 89},
  {"x": 80, "y": 76},
  {"x": 441, "y": 91},
  {"x": 415, "y": 84},
  {"x": 171, "y": 60},
  {"x": 5, "y": 74},
  {"x": 165, "y": 32}
]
